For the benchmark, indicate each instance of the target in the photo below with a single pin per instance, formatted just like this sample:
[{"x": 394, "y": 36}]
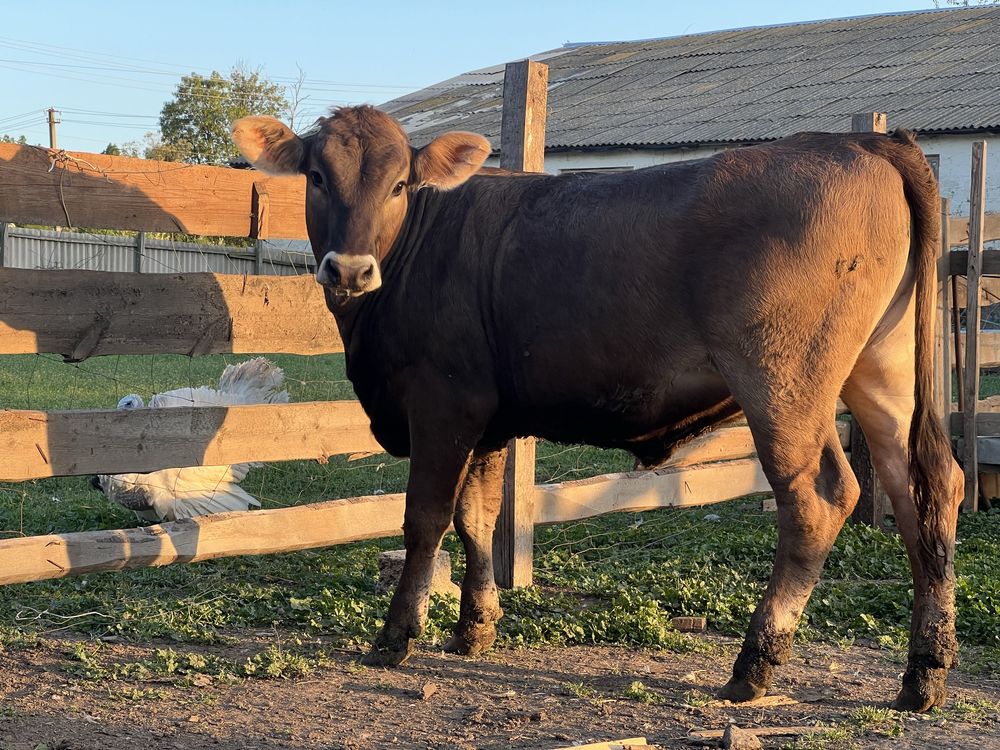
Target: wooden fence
[
  {"x": 84, "y": 314},
  {"x": 975, "y": 423}
]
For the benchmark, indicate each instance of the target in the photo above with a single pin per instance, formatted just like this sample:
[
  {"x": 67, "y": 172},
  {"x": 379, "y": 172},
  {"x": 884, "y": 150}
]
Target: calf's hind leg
[
  {"x": 879, "y": 393},
  {"x": 475, "y": 521},
  {"x": 815, "y": 491}
]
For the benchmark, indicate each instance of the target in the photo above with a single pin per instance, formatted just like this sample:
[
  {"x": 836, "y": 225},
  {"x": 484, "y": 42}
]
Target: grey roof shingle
[{"x": 936, "y": 70}]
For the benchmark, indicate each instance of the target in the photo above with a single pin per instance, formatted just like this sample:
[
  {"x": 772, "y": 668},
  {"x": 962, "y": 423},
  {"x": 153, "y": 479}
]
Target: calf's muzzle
[{"x": 349, "y": 275}]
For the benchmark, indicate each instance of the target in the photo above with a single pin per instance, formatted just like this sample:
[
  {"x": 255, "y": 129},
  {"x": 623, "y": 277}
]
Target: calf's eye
[
  {"x": 400, "y": 186},
  {"x": 316, "y": 178}
]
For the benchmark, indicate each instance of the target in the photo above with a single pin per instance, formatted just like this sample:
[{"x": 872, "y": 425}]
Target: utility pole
[{"x": 52, "y": 127}]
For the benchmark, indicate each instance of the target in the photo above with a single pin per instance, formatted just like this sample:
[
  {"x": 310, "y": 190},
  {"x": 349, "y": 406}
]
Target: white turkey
[{"x": 170, "y": 494}]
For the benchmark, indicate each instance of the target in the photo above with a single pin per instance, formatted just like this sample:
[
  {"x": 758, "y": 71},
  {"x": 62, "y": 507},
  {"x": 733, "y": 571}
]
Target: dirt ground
[{"x": 541, "y": 699}]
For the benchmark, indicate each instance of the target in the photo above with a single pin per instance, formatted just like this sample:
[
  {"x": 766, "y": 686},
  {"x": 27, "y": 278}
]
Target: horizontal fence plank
[
  {"x": 989, "y": 288},
  {"x": 35, "y": 444},
  {"x": 987, "y": 424},
  {"x": 646, "y": 490},
  {"x": 353, "y": 519},
  {"x": 79, "y": 314},
  {"x": 728, "y": 443},
  {"x": 118, "y": 192},
  {"x": 990, "y": 262},
  {"x": 204, "y": 538},
  {"x": 958, "y": 229},
  {"x": 720, "y": 444},
  {"x": 989, "y": 348}
]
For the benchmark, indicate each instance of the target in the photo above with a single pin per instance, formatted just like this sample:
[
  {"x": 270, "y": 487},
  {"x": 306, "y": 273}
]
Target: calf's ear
[
  {"x": 269, "y": 145},
  {"x": 450, "y": 159}
]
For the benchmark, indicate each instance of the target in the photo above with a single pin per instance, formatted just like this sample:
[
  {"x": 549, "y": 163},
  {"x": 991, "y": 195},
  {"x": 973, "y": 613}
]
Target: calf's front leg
[
  {"x": 444, "y": 428},
  {"x": 430, "y": 505}
]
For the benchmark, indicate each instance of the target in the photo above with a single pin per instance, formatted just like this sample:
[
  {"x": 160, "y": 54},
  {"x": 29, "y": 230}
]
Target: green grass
[{"x": 617, "y": 579}]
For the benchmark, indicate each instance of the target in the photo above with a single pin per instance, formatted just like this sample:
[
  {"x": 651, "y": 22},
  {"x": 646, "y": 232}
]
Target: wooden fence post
[
  {"x": 4, "y": 229},
  {"x": 522, "y": 149},
  {"x": 873, "y": 503},
  {"x": 522, "y": 125},
  {"x": 140, "y": 250},
  {"x": 944, "y": 280},
  {"x": 977, "y": 209},
  {"x": 259, "y": 224}
]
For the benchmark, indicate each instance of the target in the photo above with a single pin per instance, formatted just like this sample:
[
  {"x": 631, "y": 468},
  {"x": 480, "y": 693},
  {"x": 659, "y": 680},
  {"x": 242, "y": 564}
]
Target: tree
[
  {"x": 295, "y": 97},
  {"x": 112, "y": 150},
  {"x": 20, "y": 140},
  {"x": 194, "y": 124}
]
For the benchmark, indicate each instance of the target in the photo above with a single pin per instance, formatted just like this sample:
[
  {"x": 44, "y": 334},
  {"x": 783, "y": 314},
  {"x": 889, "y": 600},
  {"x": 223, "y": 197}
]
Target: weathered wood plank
[
  {"x": 117, "y": 192},
  {"x": 204, "y": 538},
  {"x": 977, "y": 201},
  {"x": 646, "y": 490},
  {"x": 987, "y": 424},
  {"x": 611, "y": 745},
  {"x": 959, "y": 229},
  {"x": 942, "y": 371},
  {"x": 514, "y": 537},
  {"x": 988, "y": 450},
  {"x": 81, "y": 314},
  {"x": 872, "y": 499},
  {"x": 728, "y": 443},
  {"x": 989, "y": 262},
  {"x": 989, "y": 286},
  {"x": 715, "y": 734},
  {"x": 35, "y": 444},
  {"x": 989, "y": 348},
  {"x": 873, "y": 502},
  {"x": 522, "y": 124},
  {"x": 522, "y": 149}
]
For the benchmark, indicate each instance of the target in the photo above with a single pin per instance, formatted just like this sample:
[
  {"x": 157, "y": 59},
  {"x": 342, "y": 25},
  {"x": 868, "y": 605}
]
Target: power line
[
  {"x": 128, "y": 126},
  {"x": 96, "y": 113},
  {"x": 110, "y": 61},
  {"x": 32, "y": 113}
]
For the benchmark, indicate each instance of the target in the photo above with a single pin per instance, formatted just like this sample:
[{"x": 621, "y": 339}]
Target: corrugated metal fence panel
[
  {"x": 41, "y": 248},
  {"x": 45, "y": 248},
  {"x": 166, "y": 257}
]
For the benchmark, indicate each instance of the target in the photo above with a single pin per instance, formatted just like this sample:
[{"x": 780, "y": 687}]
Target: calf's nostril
[
  {"x": 328, "y": 273},
  {"x": 368, "y": 273}
]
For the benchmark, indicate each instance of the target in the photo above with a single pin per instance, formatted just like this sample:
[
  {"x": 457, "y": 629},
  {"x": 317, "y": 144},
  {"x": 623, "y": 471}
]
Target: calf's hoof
[
  {"x": 388, "y": 652},
  {"x": 741, "y": 690},
  {"x": 923, "y": 689},
  {"x": 472, "y": 640}
]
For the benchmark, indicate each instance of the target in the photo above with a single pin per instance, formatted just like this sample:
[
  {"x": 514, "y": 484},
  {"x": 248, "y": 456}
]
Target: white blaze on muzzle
[{"x": 350, "y": 275}]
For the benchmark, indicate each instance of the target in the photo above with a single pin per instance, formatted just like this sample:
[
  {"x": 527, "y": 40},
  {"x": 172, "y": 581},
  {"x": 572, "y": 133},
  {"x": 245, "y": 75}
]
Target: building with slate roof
[{"x": 623, "y": 105}]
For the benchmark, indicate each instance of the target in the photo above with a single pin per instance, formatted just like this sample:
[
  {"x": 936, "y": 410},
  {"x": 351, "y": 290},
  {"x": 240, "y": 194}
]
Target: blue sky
[{"x": 109, "y": 66}]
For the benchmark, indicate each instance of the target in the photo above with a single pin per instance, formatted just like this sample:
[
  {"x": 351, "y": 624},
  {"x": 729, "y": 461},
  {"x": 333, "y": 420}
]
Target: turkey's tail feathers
[
  {"x": 256, "y": 381},
  {"x": 171, "y": 494},
  {"x": 229, "y": 498}
]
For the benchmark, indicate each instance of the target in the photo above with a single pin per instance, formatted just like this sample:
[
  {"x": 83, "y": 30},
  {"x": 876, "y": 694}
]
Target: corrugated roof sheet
[{"x": 936, "y": 70}]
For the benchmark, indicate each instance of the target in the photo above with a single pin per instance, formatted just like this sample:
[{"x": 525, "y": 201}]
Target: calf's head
[{"x": 360, "y": 174}]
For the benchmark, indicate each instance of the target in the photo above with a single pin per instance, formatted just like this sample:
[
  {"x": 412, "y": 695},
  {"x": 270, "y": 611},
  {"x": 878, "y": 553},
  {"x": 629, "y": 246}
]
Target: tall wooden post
[
  {"x": 140, "y": 250},
  {"x": 944, "y": 282},
  {"x": 977, "y": 209},
  {"x": 522, "y": 149},
  {"x": 873, "y": 503},
  {"x": 259, "y": 224},
  {"x": 4, "y": 229}
]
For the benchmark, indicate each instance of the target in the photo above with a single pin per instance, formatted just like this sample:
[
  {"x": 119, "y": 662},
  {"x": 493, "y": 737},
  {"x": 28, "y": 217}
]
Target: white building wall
[{"x": 955, "y": 152}]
